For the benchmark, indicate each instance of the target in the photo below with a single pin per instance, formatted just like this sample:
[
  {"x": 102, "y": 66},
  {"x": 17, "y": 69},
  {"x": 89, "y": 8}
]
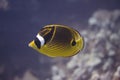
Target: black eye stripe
[
  {"x": 49, "y": 35},
  {"x": 37, "y": 43}
]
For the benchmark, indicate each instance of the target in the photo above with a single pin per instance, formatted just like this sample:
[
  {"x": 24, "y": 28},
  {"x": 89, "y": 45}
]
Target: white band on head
[{"x": 41, "y": 39}]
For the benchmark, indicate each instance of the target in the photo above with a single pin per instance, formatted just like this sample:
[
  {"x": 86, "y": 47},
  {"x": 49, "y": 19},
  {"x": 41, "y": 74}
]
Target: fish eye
[
  {"x": 73, "y": 43},
  {"x": 37, "y": 42}
]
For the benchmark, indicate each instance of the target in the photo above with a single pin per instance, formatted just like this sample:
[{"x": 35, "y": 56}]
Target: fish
[{"x": 58, "y": 41}]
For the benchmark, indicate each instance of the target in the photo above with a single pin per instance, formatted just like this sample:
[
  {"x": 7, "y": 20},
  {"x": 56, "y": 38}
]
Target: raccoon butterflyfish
[{"x": 58, "y": 41}]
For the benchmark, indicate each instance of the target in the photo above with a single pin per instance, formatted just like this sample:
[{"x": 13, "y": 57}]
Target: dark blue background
[
  {"x": 21, "y": 22},
  {"x": 23, "y": 19}
]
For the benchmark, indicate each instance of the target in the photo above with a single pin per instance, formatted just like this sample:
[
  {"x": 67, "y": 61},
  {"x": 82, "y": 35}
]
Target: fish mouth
[{"x": 31, "y": 44}]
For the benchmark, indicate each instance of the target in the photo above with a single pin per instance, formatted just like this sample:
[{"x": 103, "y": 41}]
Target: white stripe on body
[{"x": 41, "y": 39}]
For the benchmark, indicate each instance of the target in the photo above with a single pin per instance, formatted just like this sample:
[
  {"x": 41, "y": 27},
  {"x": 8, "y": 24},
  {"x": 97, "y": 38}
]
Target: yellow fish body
[{"x": 58, "y": 41}]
